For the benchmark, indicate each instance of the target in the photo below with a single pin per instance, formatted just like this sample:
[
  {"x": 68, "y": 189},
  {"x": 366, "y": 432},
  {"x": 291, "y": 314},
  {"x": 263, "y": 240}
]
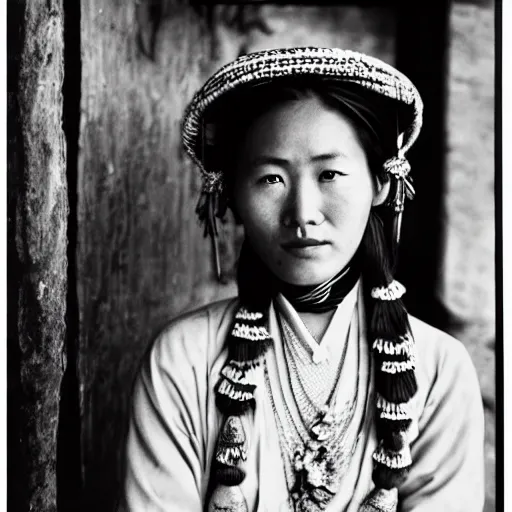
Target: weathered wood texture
[
  {"x": 41, "y": 221},
  {"x": 141, "y": 256}
]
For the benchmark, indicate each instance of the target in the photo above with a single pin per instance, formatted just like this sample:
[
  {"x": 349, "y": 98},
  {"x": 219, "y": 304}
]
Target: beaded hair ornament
[{"x": 249, "y": 338}]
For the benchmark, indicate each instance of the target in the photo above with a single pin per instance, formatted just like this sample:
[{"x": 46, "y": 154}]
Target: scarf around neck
[{"x": 257, "y": 284}]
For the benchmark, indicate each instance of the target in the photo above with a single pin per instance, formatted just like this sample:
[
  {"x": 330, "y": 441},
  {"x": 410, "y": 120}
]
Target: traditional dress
[{"x": 175, "y": 424}]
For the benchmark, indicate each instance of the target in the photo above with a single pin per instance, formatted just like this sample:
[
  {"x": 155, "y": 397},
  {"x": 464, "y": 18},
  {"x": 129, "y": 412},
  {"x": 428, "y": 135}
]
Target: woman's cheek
[{"x": 263, "y": 208}]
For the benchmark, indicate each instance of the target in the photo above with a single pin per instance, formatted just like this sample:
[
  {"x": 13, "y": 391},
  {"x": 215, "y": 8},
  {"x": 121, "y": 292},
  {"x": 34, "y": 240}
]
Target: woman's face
[{"x": 303, "y": 190}]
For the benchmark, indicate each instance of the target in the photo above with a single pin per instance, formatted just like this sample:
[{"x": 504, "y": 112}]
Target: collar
[{"x": 329, "y": 345}]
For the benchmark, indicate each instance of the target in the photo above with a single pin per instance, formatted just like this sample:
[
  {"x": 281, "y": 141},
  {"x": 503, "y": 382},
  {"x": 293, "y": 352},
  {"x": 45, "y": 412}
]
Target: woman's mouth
[{"x": 304, "y": 247}]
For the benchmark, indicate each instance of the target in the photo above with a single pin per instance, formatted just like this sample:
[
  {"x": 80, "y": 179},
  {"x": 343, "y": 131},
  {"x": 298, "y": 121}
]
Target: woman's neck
[{"x": 317, "y": 323}]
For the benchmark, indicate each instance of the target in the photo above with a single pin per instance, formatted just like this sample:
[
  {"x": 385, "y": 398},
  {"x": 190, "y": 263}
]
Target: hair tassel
[
  {"x": 393, "y": 425},
  {"x": 393, "y": 439},
  {"x": 249, "y": 350},
  {"x": 398, "y": 387},
  {"x": 227, "y": 405},
  {"x": 389, "y": 319},
  {"x": 388, "y": 478}
]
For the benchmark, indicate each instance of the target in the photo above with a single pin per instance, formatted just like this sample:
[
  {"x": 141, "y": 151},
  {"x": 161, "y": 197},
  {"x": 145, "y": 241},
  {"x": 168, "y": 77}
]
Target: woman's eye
[
  {"x": 270, "y": 179},
  {"x": 329, "y": 175}
]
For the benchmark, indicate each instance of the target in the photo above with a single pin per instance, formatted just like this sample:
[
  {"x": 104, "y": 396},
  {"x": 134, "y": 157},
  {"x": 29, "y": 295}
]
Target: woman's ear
[{"x": 381, "y": 191}]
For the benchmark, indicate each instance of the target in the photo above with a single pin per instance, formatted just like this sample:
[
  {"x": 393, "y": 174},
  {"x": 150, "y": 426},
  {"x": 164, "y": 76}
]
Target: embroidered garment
[{"x": 175, "y": 425}]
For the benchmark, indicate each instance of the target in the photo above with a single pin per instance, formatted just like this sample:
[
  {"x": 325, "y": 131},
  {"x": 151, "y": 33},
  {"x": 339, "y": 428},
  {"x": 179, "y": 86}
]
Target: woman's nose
[{"x": 304, "y": 206}]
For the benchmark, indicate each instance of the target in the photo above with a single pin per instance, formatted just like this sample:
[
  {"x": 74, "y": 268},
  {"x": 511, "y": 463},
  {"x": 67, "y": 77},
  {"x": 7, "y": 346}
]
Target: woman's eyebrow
[
  {"x": 283, "y": 162},
  {"x": 269, "y": 160},
  {"x": 328, "y": 156}
]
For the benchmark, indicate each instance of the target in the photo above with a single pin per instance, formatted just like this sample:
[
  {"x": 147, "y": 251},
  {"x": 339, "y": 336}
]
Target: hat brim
[{"x": 373, "y": 76}]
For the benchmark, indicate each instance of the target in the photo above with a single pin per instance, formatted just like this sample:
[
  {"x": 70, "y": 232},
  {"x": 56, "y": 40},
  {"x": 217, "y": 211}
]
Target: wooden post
[{"x": 38, "y": 208}]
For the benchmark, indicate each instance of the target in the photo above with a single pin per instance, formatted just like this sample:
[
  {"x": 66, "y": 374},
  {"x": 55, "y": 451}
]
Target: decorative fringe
[
  {"x": 237, "y": 388},
  {"x": 230, "y": 456},
  {"x": 405, "y": 346},
  {"x": 393, "y": 411},
  {"x": 234, "y": 391},
  {"x": 398, "y": 367},
  {"x": 227, "y": 498},
  {"x": 250, "y": 332},
  {"x": 244, "y": 366},
  {"x": 381, "y": 500},
  {"x": 249, "y": 338},
  {"x": 393, "y": 459},
  {"x": 231, "y": 446},
  {"x": 231, "y": 449},
  {"x": 392, "y": 291},
  {"x": 245, "y": 314},
  {"x": 243, "y": 376}
]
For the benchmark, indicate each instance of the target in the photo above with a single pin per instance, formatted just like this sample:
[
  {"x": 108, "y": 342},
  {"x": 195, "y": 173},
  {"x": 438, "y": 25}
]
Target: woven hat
[{"x": 336, "y": 64}]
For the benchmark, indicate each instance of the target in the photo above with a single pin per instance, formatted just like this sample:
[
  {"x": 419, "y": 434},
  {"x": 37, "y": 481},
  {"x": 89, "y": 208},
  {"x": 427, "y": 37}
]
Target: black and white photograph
[{"x": 254, "y": 256}]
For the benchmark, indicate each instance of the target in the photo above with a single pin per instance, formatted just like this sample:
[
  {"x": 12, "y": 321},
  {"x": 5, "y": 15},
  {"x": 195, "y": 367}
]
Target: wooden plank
[
  {"x": 141, "y": 257},
  {"x": 40, "y": 268}
]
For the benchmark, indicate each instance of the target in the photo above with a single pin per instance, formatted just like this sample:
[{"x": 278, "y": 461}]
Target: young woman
[{"x": 313, "y": 389}]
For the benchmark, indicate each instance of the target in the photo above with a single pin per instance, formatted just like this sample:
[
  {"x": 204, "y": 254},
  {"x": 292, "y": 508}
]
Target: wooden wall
[
  {"x": 140, "y": 255},
  {"x": 141, "y": 258}
]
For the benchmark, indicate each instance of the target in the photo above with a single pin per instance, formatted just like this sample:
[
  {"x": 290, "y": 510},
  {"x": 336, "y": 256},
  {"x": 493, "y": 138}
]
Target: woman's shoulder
[
  {"x": 194, "y": 337},
  {"x": 211, "y": 315},
  {"x": 436, "y": 347},
  {"x": 443, "y": 364}
]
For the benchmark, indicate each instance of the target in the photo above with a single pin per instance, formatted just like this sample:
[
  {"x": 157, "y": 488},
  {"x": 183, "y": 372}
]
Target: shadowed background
[{"x": 101, "y": 203}]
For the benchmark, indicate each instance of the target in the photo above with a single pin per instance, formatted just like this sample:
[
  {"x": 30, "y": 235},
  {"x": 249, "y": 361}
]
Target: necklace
[
  {"x": 308, "y": 394},
  {"x": 316, "y": 454},
  {"x": 313, "y": 470}
]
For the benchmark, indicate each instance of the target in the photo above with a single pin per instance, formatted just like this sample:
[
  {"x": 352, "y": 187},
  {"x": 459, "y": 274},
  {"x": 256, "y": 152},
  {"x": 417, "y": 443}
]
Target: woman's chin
[{"x": 306, "y": 276}]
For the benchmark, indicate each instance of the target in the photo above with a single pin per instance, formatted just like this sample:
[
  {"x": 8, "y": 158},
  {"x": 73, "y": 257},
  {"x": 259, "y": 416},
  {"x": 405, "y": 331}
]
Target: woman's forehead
[{"x": 304, "y": 126}]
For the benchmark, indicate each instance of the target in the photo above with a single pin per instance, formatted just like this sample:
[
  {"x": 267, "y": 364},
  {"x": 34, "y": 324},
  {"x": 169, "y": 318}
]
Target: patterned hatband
[{"x": 263, "y": 66}]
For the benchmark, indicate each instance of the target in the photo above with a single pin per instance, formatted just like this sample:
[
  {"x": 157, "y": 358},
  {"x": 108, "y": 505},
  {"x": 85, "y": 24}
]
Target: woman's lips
[{"x": 304, "y": 247}]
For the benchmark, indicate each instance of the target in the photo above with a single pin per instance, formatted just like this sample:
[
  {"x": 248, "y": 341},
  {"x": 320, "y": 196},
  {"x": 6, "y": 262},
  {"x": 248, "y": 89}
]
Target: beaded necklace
[
  {"x": 315, "y": 450},
  {"x": 308, "y": 408}
]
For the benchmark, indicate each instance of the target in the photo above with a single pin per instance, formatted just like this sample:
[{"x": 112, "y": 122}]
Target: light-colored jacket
[{"x": 175, "y": 424}]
